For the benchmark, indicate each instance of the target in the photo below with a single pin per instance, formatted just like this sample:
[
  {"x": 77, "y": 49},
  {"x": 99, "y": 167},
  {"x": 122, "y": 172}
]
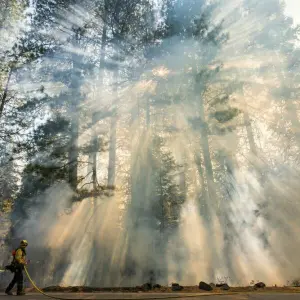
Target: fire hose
[{"x": 139, "y": 298}]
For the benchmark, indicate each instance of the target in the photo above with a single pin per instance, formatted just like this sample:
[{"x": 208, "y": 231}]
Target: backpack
[{"x": 13, "y": 265}]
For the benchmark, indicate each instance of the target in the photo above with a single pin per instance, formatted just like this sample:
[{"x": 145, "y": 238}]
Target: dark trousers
[{"x": 18, "y": 279}]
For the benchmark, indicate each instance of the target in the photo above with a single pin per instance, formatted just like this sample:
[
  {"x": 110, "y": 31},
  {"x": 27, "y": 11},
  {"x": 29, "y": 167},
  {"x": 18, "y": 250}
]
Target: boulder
[
  {"x": 156, "y": 286},
  {"x": 259, "y": 285},
  {"x": 225, "y": 287},
  {"x": 147, "y": 286},
  {"x": 212, "y": 285},
  {"x": 204, "y": 286},
  {"x": 176, "y": 287}
]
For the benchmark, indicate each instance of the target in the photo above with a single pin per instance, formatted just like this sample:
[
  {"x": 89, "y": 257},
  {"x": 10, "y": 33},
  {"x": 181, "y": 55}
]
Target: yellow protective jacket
[{"x": 20, "y": 256}]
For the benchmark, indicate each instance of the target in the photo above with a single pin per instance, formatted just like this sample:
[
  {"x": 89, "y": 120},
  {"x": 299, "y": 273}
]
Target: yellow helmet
[{"x": 24, "y": 243}]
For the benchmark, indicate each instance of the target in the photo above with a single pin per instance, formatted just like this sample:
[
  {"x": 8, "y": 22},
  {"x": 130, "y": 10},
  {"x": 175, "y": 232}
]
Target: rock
[
  {"x": 204, "y": 286},
  {"x": 176, "y": 287},
  {"x": 259, "y": 285},
  {"x": 212, "y": 285},
  {"x": 147, "y": 286},
  {"x": 156, "y": 286},
  {"x": 53, "y": 289},
  {"x": 225, "y": 287}
]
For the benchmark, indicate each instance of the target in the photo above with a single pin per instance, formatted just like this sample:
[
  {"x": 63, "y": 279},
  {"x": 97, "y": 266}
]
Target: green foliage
[
  {"x": 47, "y": 161},
  {"x": 52, "y": 134},
  {"x": 168, "y": 198},
  {"x": 8, "y": 179},
  {"x": 296, "y": 283},
  {"x": 225, "y": 115}
]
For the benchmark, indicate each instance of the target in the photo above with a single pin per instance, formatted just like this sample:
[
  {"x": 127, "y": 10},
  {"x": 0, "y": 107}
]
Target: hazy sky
[{"x": 293, "y": 9}]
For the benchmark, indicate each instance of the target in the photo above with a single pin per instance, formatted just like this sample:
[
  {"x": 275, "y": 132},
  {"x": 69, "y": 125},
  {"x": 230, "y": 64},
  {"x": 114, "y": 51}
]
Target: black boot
[
  {"x": 9, "y": 288},
  {"x": 21, "y": 293},
  {"x": 20, "y": 290},
  {"x": 9, "y": 293}
]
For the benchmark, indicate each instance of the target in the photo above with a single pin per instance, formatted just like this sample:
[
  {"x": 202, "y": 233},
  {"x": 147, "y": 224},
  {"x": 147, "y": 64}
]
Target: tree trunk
[
  {"x": 182, "y": 179},
  {"x": 148, "y": 158},
  {"x": 211, "y": 192},
  {"x": 134, "y": 185},
  {"x": 5, "y": 92},
  {"x": 134, "y": 178},
  {"x": 112, "y": 151},
  {"x": 204, "y": 197},
  {"x": 73, "y": 150},
  {"x": 95, "y": 149},
  {"x": 74, "y": 134},
  {"x": 95, "y": 139},
  {"x": 225, "y": 217},
  {"x": 206, "y": 155},
  {"x": 163, "y": 213},
  {"x": 74, "y": 115},
  {"x": 95, "y": 142},
  {"x": 211, "y": 200},
  {"x": 112, "y": 142}
]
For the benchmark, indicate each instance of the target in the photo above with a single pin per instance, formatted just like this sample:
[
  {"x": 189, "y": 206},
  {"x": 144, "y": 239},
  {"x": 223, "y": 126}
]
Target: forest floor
[
  {"x": 164, "y": 289},
  {"x": 162, "y": 296}
]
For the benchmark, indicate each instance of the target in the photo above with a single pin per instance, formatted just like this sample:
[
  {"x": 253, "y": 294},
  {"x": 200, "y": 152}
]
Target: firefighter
[{"x": 17, "y": 265}]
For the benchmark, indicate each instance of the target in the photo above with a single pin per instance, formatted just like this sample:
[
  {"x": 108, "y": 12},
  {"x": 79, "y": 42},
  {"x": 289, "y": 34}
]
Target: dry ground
[
  {"x": 161, "y": 296},
  {"x": 164, "y": 289}
]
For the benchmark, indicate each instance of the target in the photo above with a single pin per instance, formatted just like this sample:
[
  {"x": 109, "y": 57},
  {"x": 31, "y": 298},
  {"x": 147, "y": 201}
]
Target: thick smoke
[{"x": 252, "y": 234}]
